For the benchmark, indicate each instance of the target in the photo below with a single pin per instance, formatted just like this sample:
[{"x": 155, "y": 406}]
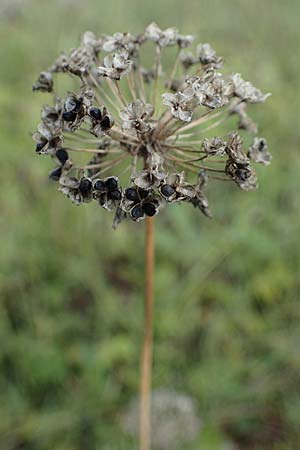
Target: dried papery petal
[{"x": 147, "y": 179}]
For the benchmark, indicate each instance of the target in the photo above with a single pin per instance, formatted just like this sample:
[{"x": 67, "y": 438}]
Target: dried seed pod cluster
[{"x": 147, "y": 133}]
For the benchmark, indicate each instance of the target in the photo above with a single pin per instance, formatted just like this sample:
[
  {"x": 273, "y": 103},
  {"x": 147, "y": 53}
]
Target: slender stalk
[
  {"x": 146, "y": 355},
  {"x": 174, "y": 70},
  {"x": 157, "y": 72},
  {"x": 142, "y": 85}
]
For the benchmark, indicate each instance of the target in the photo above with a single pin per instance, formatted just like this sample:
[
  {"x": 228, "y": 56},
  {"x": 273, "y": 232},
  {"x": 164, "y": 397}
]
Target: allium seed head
[{"x": 146, "y": 132}]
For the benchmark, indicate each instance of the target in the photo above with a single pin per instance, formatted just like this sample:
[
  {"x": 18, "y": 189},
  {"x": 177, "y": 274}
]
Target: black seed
[
  {"x": 114, "y": 195},
  {"x": 55, "y": 174},
  {"x": 85, "y": 185},
  {"x": 99, "y": 185},
  {"x": 106, "y": 122},
  {"x": 167, "y": 190},
  {"x": 137, "y": 212},
  {"x": 111, "y": 184},
  {"x": 62, "y": 155},
  {"x": 149, "y": 209},
  {"x": 69, "y": 116},
  {"x": 143, "y": 193},
  {"x": 242, "y": 165},
  {"x": 95, "y": 113},
  {"x": 131, "y": 194},
  {"x": 261, "y": 146},
  {"x": 40, "y": 146}
]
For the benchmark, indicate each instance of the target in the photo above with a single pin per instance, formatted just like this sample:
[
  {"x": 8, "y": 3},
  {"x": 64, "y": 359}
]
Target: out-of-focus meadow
[{"x": 227, "y": 316}]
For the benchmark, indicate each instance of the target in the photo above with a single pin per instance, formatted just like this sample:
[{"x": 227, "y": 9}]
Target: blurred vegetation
[{"x": 227, "y": 291}]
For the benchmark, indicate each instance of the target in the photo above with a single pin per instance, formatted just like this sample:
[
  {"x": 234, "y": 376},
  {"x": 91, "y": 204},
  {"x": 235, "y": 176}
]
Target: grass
[{"x": 71, "y": 288}]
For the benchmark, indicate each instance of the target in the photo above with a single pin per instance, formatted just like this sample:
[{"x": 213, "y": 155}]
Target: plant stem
[{"x": 146, "y": 355}]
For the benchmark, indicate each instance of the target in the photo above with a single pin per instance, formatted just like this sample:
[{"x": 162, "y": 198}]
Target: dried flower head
[
  {"x": 174, "y": 418},
  {"x": 156, "y": 124}
]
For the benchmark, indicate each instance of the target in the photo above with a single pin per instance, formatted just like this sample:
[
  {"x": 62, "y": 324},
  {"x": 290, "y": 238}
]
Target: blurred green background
[{"x": 227, "y": 314}]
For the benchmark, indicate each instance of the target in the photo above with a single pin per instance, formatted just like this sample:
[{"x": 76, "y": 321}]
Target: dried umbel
[
  {"x": 135, "y": 137},
  {"x": 174, "y": 418}
]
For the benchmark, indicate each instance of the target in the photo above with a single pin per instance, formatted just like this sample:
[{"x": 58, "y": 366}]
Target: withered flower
[
  {"x": 136, "y": 116},
  {"x": 246, "y": 91},
  {"x": 44, "y": 82},
  {"x": 238, "y": 165},
  {"x": 187, "y": 59},
  {"x": 245, "y": 122},
  {"x": 258, "y": 152},
  {"x": 151, "y": 122},
  {"x": 184, "y": 41},
  {"x": 181, "y": 104},
  {"x": 215, "y": 146},
  {"x": 212, "y": 89},
  {"x": 208, "y": 57},
  {"x": 163, "y": 38},
  {"x": 116, "y": 66}
]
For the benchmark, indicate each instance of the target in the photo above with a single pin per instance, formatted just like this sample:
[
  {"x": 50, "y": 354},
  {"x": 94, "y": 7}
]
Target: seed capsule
[
  {"x": 143, "y": 193},
  {"x": 149, "y": 209},
  {"x": 114, "y": 195},
  {"x": 69, "y": 116},
  {"x": 95, "y": 113},
  {"x": 55, "y": 174},
  {"x": 111, "y": 183},
  {"x": 39, "y": 147},
  {"x": 99, "y": 185},
  {"x": 107, "y": 122},
  {"x": 62, "y": 155},
  {"x": 167, "y": 190},
  {"x": 85, "y": 185},
  {"x": 131, "y": 194},
  {"x": 137, "y": 212}
]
